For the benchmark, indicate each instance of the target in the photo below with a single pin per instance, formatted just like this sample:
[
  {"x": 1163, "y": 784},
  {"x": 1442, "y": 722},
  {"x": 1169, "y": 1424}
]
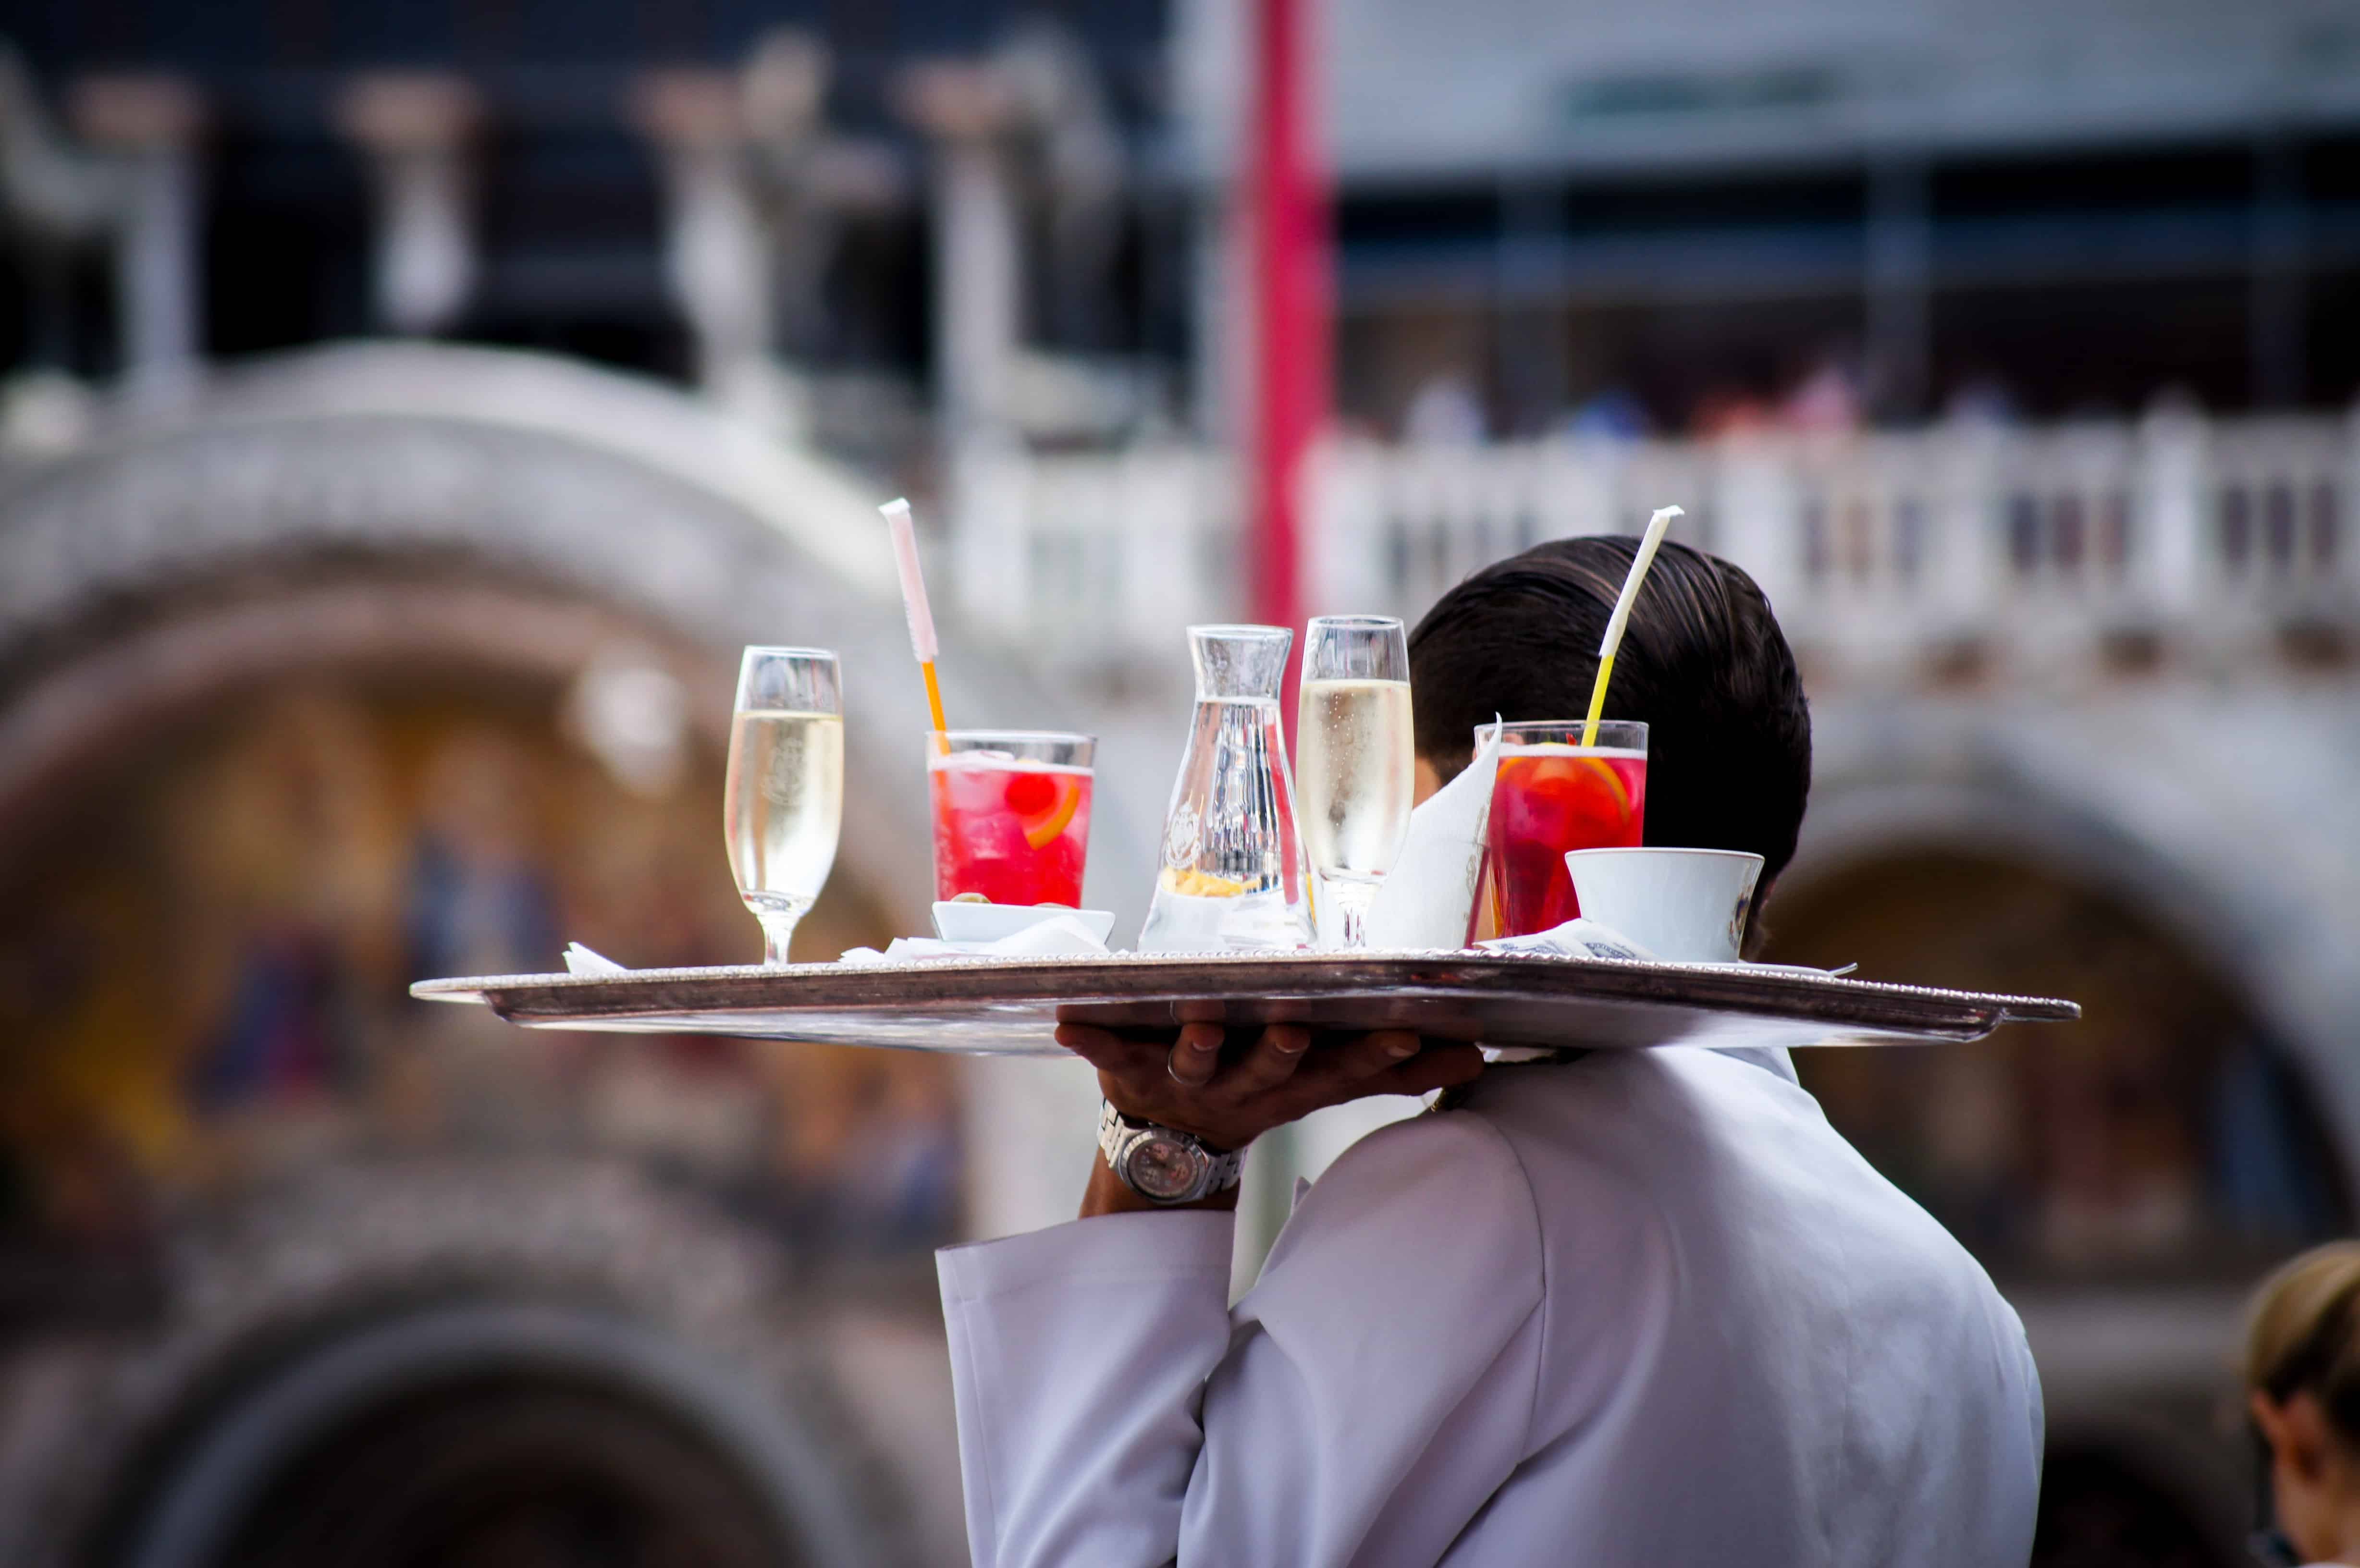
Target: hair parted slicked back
[{"x": 1702, "y": 662}]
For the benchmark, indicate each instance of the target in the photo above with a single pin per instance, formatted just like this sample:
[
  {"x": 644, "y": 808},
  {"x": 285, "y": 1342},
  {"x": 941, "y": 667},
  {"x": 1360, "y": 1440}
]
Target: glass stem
[
  {"x": 778, "y": 929},
  {"x": 1352, "y": 901}
]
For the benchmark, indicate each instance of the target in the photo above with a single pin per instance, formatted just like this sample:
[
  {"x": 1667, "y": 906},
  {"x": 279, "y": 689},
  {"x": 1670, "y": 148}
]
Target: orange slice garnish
[
  {"x": 1043, "y": 833},
  {"x": 1613, "y": 782}
]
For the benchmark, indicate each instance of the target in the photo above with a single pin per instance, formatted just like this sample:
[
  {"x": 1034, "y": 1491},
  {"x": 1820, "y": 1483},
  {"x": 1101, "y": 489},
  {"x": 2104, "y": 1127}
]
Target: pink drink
[
  {"x": 1552, "y": 795},
  {"x": 1542, "y": 807},
  {"x": 1015, "y": 829}
]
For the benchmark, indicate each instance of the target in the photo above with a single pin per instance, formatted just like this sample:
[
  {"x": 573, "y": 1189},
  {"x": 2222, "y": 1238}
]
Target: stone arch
[
  {"x": 2223, "y": 818},
  {"x": 475, "y": 472}
]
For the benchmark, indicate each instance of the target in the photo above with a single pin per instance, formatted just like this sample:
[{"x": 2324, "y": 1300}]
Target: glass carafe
[{"x": 1231, "y": 872}]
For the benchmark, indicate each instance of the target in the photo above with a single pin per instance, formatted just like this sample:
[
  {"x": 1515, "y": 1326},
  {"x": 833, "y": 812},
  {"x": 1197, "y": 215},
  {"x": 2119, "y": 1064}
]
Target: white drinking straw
[
  {"x": 914, "y": 602},
  {"x": 1656, "y": 525}
]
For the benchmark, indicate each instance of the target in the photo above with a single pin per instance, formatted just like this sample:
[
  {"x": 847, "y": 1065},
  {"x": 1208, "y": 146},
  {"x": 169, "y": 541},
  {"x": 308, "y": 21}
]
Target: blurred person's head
[
  {"x": 2303, "y": 1382},
  {"x": 1702, "y": 663}
]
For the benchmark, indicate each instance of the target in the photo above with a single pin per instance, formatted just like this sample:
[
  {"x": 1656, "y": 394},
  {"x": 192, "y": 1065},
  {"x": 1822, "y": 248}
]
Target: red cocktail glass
[
  {"x": 1012, "y": 814},
  {"x": 1553, "y": 794}
]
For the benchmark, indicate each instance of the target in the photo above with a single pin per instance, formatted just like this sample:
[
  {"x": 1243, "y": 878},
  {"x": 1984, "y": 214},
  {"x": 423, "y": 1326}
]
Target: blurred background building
[{"x": 405, "y": 412}]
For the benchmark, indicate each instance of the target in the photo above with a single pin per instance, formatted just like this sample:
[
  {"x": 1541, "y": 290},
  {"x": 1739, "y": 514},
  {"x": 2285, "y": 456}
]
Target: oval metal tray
[{"x": 1009, "y": 1006}]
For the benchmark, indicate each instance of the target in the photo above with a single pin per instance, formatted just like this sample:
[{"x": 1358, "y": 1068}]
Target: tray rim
[{"x": 979, "y": 980}]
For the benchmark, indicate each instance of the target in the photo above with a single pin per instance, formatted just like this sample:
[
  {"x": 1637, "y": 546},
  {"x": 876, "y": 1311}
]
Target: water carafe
[{"x": 1231, "y": 874}]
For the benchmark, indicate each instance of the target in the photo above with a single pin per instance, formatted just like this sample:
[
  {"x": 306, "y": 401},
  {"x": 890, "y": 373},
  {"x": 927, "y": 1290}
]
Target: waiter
[{"x": 1628, "y": 1307}]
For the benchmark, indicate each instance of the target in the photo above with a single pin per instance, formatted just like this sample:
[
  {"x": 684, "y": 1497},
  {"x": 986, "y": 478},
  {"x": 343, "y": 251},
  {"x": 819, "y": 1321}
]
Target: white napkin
[
  {"x": 582, "y": 961},
  {"x": 1584, "y": 938},
  {"x": 1425, "y": 901},
  {"x": 1052, "y": 938},
  {"x": 1578, "y": 938}
]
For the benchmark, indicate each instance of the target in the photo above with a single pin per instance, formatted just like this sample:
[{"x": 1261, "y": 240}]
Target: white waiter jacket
[{"x": 1645, "y": 1307}]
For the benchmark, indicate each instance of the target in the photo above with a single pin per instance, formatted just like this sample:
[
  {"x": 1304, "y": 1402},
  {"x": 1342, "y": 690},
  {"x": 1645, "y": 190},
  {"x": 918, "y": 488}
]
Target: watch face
[{"x": 1164, "y": 1167}]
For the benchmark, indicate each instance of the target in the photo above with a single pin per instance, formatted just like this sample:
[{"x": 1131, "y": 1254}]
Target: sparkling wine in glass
[
  {"x": 1355, "y": 758},
  {"x": 784, "y": 801}
]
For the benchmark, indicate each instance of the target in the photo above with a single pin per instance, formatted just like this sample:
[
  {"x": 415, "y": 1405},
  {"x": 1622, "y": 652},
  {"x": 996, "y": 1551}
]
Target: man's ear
[
  {"x": 1429, "y": 779},
  {"x": 2297, "y": 1431},
  {"x": 1757, "y": 933}
]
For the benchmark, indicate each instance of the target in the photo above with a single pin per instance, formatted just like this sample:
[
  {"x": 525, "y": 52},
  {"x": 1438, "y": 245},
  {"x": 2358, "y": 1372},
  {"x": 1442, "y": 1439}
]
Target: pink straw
[
  {"x": 913, "y": 605},
  {"x": 913, "y": 583}
]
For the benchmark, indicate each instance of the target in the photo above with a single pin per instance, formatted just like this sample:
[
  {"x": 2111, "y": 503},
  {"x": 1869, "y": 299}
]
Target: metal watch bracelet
[{"x": 1164, "y": 1164}]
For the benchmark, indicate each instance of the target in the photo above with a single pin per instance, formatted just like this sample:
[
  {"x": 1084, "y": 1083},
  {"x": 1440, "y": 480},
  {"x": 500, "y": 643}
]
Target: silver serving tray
[{"x": 1009, "y": 1006}]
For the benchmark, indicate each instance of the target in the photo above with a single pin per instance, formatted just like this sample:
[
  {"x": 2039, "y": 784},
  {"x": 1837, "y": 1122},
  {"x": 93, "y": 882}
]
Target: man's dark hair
[{"x": 1702, "y": 662}]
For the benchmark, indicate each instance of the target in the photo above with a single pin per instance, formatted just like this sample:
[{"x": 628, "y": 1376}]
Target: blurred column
[
  {"x": 782, "y": 89},
  {"x": 815, "y": 179},
  {"x": 1030, "y": 1127},
  {"x": 1220, "y": 317},
  {"x": 1082, "y": 158},
  {"x": 2168, "y": 552},
  {"x": 1528, "y": 322},
  {"x": 149, "y": 125},
  {"x": 416, "y": 129},
  {"x": 1759, "y": 523},
  {"x": 1900, "y": 254},
  {"x": 55, "y": 200},
  {"x": 717, "y": 259},
  {"x": 1966, "y": 546},
  {"x": 2279, "y": 241},
  {"x": 967, "y": 112}
]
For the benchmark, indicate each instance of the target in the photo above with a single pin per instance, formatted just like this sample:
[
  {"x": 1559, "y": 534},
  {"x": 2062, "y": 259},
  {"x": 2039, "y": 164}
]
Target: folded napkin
[
  {"x": 1425, "y": 901},
  {"x": 1048, "y": 938},
  {"x": 1578, "y": 938},
  {"x": 1051, "y": 938},
  {"x": 1583, "y": 938},
  {"x": 583, "y": 962}
]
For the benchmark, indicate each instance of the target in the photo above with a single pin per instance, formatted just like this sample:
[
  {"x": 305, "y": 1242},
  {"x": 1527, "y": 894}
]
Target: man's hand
[{"x": 1185, "y": 1083}]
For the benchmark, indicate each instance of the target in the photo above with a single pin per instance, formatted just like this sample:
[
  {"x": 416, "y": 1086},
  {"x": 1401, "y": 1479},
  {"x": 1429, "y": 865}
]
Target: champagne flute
[
  {"x": 1355, "y": 758},
  {"x": 784, "y": 801}
]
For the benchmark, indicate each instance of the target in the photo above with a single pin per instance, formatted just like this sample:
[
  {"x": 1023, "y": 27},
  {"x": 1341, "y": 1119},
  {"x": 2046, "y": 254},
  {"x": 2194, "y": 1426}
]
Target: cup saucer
[{"x": 955, "y": 921}]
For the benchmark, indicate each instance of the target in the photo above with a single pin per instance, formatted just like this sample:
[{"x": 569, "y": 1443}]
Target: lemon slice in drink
[{"x": 1201, "y": 884}]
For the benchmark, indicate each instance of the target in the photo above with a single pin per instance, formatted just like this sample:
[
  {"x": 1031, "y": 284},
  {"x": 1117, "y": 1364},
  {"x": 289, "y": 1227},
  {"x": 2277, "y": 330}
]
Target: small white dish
[{"x": 956, "y": 921}]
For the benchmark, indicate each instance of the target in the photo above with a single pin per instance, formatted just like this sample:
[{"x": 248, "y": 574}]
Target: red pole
[{"x": 1291, "y": 273}]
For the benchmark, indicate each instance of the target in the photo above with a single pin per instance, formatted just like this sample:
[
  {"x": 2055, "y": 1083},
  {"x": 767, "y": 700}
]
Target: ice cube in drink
[
  {"x": 1549, "y": 798},
  {"x": 1014, "y": 829}
]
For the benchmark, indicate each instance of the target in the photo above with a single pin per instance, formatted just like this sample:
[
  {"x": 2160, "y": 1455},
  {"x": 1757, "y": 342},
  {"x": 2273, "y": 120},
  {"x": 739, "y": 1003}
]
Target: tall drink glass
[
  {"x": 1355, "y": 758},
  {"x": 784, "y": 801},
  {"x": 1554, "y": 794},
  {"x": 1012, "y": 814}
]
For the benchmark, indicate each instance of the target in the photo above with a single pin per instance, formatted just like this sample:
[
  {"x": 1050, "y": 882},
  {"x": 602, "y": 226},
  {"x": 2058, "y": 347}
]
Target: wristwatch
[{"x": 1163, "y": 1164}]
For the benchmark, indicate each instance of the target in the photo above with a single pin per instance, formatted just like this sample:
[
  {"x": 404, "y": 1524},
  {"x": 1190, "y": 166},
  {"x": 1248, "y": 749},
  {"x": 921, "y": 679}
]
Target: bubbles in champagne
[
  {"x": 1356, "y": 766},
  {"x": 783, "y": 806}
]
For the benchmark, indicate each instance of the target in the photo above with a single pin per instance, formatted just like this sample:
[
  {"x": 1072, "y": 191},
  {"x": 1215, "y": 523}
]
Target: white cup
[{"x": 1685, "y": 906}]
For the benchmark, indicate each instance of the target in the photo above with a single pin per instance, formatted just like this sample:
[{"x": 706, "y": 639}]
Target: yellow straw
[{"x": 1653, "y": 537}]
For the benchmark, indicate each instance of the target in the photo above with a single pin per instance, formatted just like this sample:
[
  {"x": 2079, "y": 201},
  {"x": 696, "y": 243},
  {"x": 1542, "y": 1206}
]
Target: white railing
[{"x": 1888, "y": 556}]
